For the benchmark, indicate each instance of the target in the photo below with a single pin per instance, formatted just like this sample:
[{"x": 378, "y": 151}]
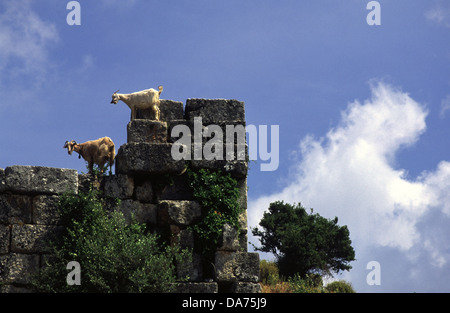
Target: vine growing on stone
[{"x": 218, "y": 194}]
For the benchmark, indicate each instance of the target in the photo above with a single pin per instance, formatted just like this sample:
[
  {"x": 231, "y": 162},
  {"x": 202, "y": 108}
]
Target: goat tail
[
  {"x": 112, "y": 152},
  {"x": 160, "y": 88}
]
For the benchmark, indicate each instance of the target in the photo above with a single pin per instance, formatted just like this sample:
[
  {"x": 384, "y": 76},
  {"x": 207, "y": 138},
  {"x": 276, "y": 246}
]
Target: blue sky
[{"x": 363, "y": 110}]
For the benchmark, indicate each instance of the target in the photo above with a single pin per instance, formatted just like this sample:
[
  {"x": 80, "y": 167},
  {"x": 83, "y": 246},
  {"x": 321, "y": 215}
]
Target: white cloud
[
  {"x": 445, "y": 106},
  {"x": 439, "y": 14},
  {"x": 24, "y": 38},
  {"x": 350, "y": 174}
]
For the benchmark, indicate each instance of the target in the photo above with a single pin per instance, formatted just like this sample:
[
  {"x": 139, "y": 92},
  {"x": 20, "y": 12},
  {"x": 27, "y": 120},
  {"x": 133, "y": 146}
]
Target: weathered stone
[
  {"x": 146, "y": 158},
  {"x": 197, "y": 288},
  {"x": 169, "y": 110},
  {"x": 229, "y": 241},
  {"x": 237, "y": 169},
  {"x": 214, "y": 111},
  {"x": 2, "y": 180},
  {"x": 237, "y": 266},
  {"x": 86, "y": 182},
  {"x": 33, "y": 238},
  {"x": 242, "y": 185},
  {"x": 118, "y": 186},
  {"x": 142, "y": 212},
  {"x": 5, "y": 235},
  {"x": 147, "y": 131},
  {"x": 46, "y": 210},
  {"x": 144, "y": 192},
  {"x": 15, "y": 209},
  {"x": 245, "y": 287},
  {"x": 39, "y": 179},
  {"x": 243, "y": 242},
  {"x": 179, "y": 212},
  {"x": 18, "y": 268}
]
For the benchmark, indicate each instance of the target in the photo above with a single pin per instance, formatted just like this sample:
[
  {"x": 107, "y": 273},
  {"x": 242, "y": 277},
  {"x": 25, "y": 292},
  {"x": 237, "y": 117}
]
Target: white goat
[
  {"x": 144, "y": 99},
  {"x": 97, "y": 151}
]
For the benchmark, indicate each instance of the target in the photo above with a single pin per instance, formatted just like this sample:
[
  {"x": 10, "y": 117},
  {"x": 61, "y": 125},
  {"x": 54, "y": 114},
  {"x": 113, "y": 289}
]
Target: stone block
[
  {"x": 243, "y": 242},
  {"x": 243, "y": 188},
  {"x": 5, "y": 236},
  {"x": 118, "y": 186},
  {"x": 18, "y": 268},
  {"x": 237, "y": 169},
  {"x": 229, "y": 241},
  {"x": 146, "y": 131},
  {"x": 86, "y": 182},
  {"x": 214, "y": 111},
  {"x": 245, "y": 287},
  {"x": 204, "y": 287},
  {"x": 237, "y": 266},
  {"x": 146, "y": 158},
  {"x": 33, "y": 238},
  {"x": 143, "y": 212},
  {"x": 232, "y": 132},
  {"x": 15, "y": 209},
  {"x": 144, "y": 192},
  {"x": 39, "y": 179},
  {"x": 179, "y": 212},
  {"x": 46, "y": 210},
  {"x": 169, "y": 110},
  {"x": 2, "y": 180}
]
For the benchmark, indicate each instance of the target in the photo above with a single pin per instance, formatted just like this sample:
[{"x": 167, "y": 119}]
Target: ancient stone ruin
[{"x": 29, "y": 197}]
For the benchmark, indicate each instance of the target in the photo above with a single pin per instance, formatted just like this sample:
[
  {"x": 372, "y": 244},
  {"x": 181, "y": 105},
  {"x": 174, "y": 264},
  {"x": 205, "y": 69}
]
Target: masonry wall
[{"x": 29, "y": 197}]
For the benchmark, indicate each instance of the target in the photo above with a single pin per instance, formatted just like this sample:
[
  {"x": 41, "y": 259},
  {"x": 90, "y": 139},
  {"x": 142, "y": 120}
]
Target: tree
[{"x": 304, "y": 243}]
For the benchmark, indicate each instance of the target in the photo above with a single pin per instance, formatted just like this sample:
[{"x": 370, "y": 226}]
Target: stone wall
[{"x": 29, "y": 197}]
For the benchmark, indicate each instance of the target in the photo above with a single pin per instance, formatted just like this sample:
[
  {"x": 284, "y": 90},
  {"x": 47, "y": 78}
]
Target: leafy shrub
[
  {"x": 218, "y": 195},
  {"x": 340, "y": 286},
  {"x": 268, "y": 273},
  {"x": 309, "y": 284},
  {"x": 114, "y": 256}
]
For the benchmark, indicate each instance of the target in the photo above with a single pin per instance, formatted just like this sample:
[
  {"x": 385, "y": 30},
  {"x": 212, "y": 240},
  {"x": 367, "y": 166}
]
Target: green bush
[
  {"x": 114, "y": 256},
  {"x": 268, "y": 272},
  {"x": 218, "y": 195},
  {"x": 312, "y": 283},
  {"x": 340, "y": 286}
]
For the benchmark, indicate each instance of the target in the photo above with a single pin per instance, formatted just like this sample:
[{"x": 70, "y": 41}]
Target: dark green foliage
[
  {"x": 114, "y": 256},
  {"x": 304, "y": 243},
  {"x": 218, "y": 195}
]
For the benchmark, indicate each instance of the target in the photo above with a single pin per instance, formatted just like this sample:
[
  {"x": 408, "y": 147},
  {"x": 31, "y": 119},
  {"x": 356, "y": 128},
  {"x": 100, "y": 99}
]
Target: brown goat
[{"x": 97, "y": 151}]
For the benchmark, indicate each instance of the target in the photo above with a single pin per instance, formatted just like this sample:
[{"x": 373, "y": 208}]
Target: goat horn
[{"x": 116, "y": 91}]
